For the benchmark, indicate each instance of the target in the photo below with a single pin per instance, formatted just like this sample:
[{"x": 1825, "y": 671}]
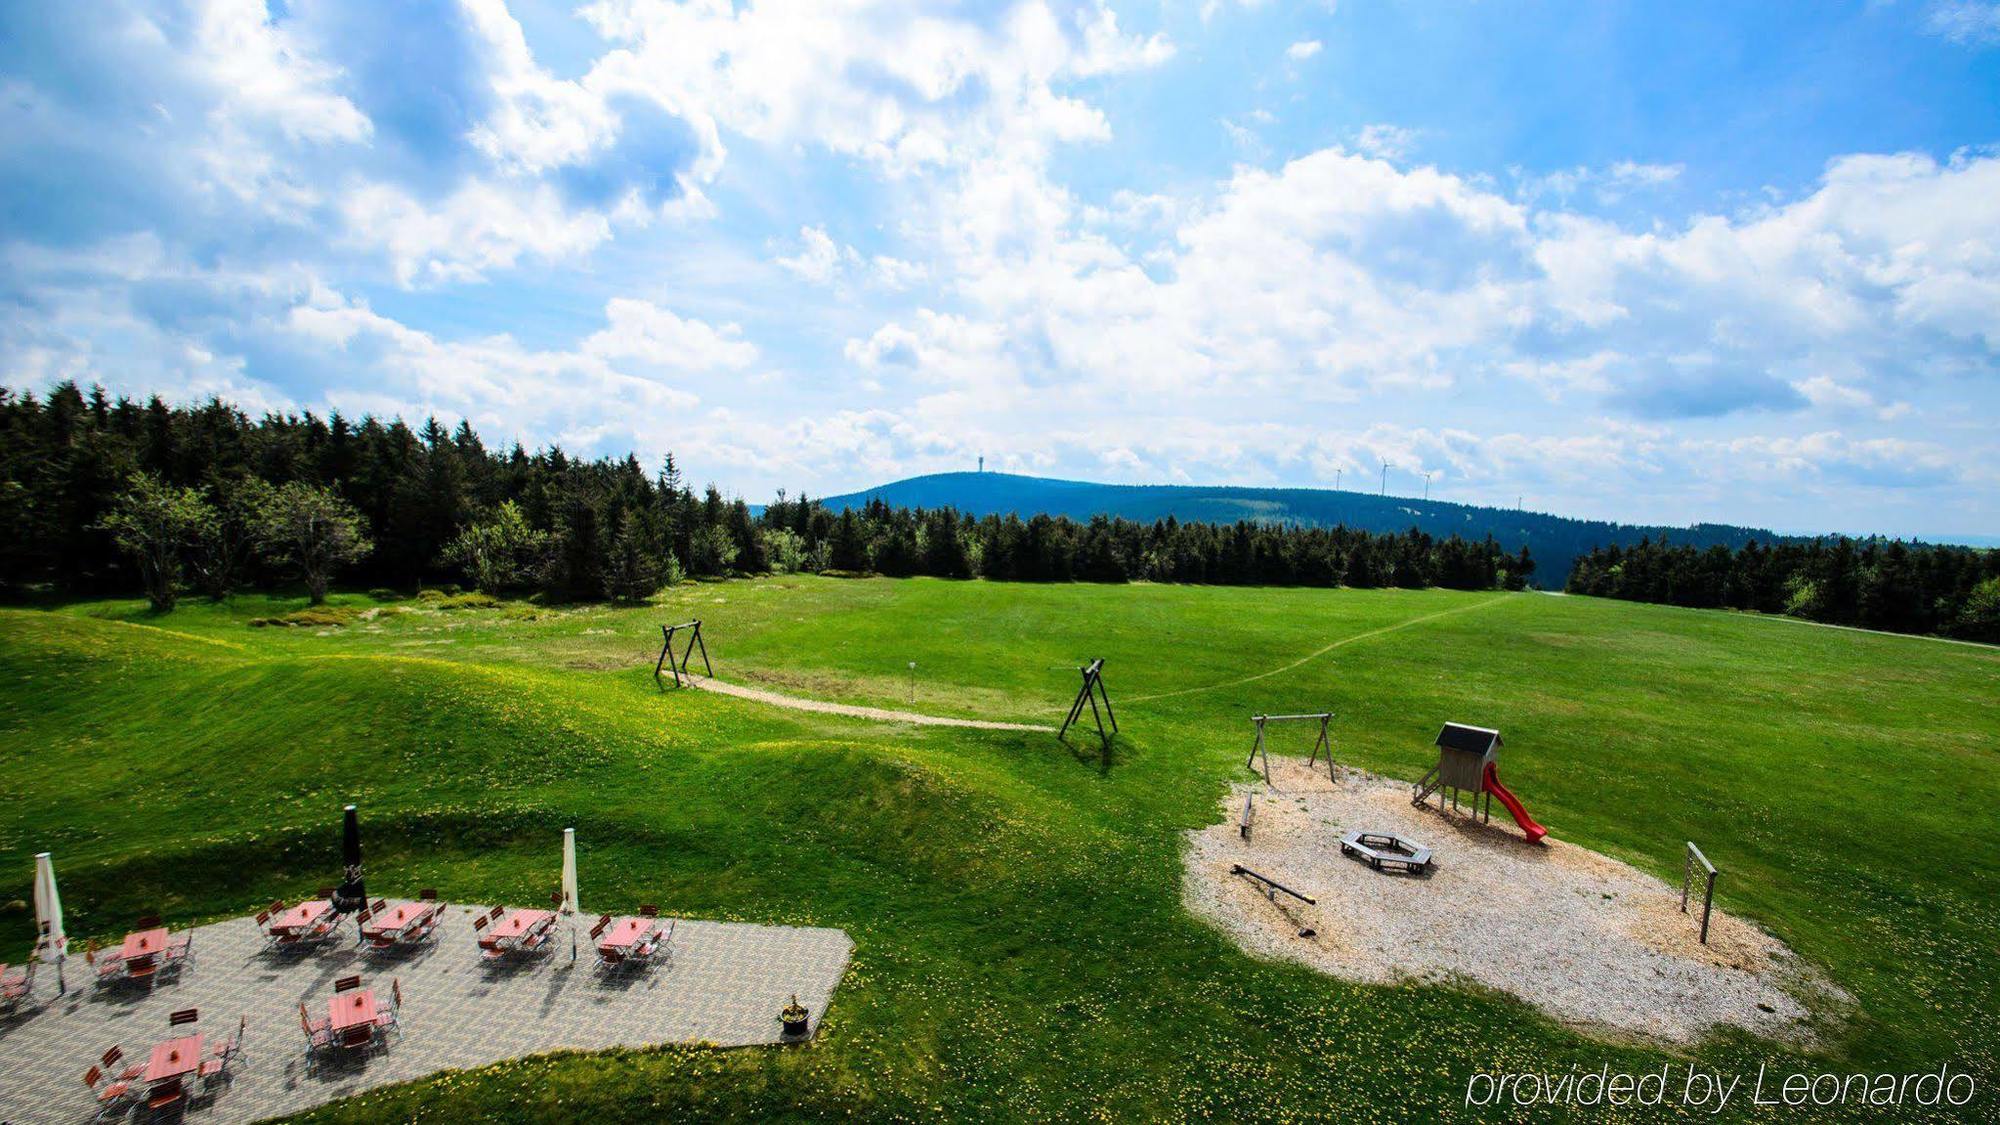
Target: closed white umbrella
[
  {"x": 51, "y": 944},
  {"x": 569, "y": 905}
]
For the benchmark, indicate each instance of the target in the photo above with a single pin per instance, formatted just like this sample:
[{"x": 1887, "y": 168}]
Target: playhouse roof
[{"x": 1470, "y": 740}]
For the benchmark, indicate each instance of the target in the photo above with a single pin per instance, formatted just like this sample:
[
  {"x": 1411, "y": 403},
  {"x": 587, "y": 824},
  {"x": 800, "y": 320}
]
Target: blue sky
[{"x": 1653, "y": 262}]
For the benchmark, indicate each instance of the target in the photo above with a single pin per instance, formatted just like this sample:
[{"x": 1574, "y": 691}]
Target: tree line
[
  {"x": 1872, "y": 583},
  {"x": 105, "y": 496}
]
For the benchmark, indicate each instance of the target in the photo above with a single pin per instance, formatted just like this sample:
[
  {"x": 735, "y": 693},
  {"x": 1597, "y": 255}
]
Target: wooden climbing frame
[
  {"x": 1091, "y": 692},
  {"x": 678, "y": 665}
]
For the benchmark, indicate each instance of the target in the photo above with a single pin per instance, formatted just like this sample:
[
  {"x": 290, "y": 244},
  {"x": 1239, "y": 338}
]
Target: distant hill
[{"x": 1555, "y": 540}]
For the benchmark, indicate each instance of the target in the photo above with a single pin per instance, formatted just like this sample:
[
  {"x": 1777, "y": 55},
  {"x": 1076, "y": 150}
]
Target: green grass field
[{"x": 1021, "y": 950}]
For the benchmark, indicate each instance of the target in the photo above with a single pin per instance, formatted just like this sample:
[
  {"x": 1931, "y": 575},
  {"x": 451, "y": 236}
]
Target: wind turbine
[
  {"x": 1385, "y": 478},
  {"x": 1427, "y": 483}
]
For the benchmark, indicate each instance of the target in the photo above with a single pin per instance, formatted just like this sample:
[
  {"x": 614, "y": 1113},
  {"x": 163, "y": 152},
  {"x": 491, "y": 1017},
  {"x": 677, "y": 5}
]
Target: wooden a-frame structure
[
  {"x": 1325, "y": 742},
  {"x": 1091, "y": 692},
  {"x": 679, "y": 665}
]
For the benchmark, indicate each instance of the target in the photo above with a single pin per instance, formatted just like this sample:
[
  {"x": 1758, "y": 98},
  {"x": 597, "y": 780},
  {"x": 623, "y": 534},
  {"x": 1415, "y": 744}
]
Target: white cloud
[
  {"x": 258, "y": 73},
  {"x": 792, "y": 71},
  {"x": 1634, "y": 174},
  {"x": 820, "y": 260},
  {"x": 1390, "y": 142},
  {"x": 480, "y": 227},
  {"x": 1607, "y": 185},
  {"x": 1339, "y": 279},
  {"x": 640, "y": 330},
  {"x": 540, "y": 122},
  {"x": 1971, "y": 22},
  {"x": 1303, "y": 50}
]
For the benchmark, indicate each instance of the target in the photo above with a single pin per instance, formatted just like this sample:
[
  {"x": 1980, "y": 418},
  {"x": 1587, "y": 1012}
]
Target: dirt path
[
  {"x": 1319, "y": 652},
  {"x": 880, "y": 714}
]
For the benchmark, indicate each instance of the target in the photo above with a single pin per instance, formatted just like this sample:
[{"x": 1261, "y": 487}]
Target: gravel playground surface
[{"x": 1593, "y": 942}]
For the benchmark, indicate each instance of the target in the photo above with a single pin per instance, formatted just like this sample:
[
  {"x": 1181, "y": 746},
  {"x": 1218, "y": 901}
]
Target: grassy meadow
[{"x": 1021, "y": 950}]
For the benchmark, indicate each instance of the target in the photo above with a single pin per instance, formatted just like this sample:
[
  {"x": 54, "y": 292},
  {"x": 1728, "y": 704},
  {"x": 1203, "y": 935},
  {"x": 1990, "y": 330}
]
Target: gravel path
[
  {"x": 1591, "y": 941},
  {"x": 880, "y": 714}
]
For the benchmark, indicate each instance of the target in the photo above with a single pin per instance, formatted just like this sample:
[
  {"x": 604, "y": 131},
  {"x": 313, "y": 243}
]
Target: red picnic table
[
  {"x": 388, "y": 925},
  {"x": 143, "y": 943},
  {"x": 140, "y": 955},
  {"x": 350, "y": 1016},
  {"x": 300, "y": 918},
  {"x": 520, "y": 924},
  {"x": 626, "y": 932},
  {"x": 174, "y": 1059}
]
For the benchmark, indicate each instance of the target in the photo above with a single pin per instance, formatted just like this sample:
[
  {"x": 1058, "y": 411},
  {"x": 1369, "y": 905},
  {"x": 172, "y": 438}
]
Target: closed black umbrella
[{"x": 351, "y": 895}]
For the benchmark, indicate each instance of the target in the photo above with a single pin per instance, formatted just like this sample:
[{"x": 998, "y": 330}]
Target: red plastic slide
[{"x": 1534, "y": 831}]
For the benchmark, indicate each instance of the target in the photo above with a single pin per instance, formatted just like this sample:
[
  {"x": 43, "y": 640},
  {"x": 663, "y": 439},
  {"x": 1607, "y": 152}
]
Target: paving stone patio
[{"x": 724, "y": 984}]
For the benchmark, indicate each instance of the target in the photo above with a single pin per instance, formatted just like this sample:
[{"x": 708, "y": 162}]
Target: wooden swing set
[
  {"x": 1258, "y": 750},
  {"x": 1091, "y": 692},
  {"x": 679, "y": 665}
]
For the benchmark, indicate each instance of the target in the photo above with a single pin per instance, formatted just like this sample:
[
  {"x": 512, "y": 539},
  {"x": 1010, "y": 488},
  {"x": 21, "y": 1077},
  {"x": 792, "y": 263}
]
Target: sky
[{"x": 1650, "y": 262}]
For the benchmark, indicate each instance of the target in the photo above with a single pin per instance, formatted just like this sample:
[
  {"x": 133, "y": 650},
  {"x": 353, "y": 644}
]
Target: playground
[{"x": 1591, "y": 941}]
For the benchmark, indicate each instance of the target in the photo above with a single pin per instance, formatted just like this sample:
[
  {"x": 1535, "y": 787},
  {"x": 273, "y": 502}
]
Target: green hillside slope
[{"x": 1021, "y": 949}]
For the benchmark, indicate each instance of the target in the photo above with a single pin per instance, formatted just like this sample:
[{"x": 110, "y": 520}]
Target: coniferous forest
[
  {"x": 1870, "y": 583},
  {"x": 100, "y": 495}
]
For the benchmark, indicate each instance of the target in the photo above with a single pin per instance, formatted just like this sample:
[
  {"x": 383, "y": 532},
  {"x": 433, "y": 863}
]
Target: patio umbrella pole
[{"x": 352, "y": 894}]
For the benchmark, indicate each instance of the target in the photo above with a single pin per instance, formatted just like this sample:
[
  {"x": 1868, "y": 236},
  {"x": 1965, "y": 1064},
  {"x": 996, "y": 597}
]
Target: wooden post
[
  {"x": 667, "y": 653},
  {"x": 1694, "y": 856},
  {"x": 1325, "y": 742},
  {"x": 1257, "y": 748},
  {"x": 1249, "y": 811},
  {"x": 693, "y": 642},
  {"x": 1097, "y": 678}
]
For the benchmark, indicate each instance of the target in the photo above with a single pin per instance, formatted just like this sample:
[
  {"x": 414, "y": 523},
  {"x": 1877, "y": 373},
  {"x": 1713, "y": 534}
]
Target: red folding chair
[
  {"x": 111, "y": 1093},
  {"x": 113, "y": 1057},
  {"x": 165, "y": 1095},
  {"x": 232, "y": 1044},
  {"x": 108, "y": 963},
  {"x": 390, "y": 1018},
  {"x": 317, "y": 1038}
]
